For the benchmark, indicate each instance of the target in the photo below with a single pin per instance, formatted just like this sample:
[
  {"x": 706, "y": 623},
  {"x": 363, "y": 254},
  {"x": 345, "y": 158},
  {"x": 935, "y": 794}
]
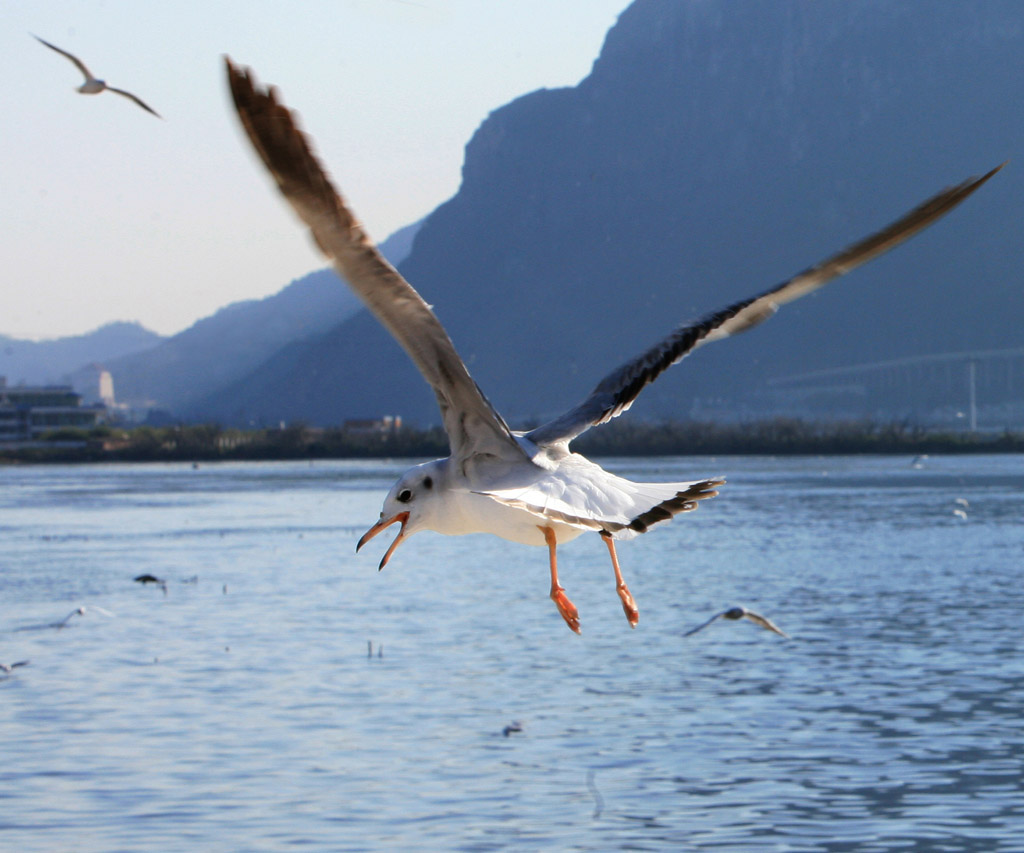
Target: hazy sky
[{"x": 107, "y": 213}]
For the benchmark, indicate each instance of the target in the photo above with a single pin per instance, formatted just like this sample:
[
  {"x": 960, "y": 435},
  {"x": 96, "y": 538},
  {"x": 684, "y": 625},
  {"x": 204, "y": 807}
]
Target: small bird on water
[
  {"x": 92, "y": 84},
  {"x": 527, "y": 487}
]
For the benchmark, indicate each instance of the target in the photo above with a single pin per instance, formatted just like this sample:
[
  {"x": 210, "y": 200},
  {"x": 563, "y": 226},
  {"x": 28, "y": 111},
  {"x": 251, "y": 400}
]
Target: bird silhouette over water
[
  {"x": 80, "y": 611},
  {"x": 526, "y": 487},
  {"x": 7, "y": 667},
  {"x": 151, "y": 579},
  {"x": 93, "y": 85},
  {"x": 736, "y": 613},
  {"x": 62, "y": 623}
]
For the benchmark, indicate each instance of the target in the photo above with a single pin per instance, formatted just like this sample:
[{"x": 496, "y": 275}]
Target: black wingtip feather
[{"x": 684, "y": 501}]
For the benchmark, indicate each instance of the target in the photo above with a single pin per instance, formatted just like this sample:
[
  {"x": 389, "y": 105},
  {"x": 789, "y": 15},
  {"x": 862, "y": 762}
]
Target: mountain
[
  {"x": 218, "y": 348},
  {"x": 716, "y": 148},
  {"x": 238, "y": 338},
  {"x": 51, "y": 362}
]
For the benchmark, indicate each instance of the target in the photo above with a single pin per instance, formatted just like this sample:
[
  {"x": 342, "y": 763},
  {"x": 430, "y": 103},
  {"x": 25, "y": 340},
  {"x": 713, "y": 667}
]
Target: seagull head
[{"x": 412, "y": 503}]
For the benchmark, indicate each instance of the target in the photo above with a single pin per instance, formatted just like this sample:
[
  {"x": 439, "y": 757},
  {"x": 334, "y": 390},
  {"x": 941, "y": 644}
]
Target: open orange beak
[{"x": 402, "y": 517}]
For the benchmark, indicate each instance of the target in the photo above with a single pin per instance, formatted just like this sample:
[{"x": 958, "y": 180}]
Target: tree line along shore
[{"x": 777, "y": 436}]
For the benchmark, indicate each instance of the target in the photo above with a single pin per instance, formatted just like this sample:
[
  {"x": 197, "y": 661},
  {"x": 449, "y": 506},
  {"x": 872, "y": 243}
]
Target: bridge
[{"x": 966, "y": 385}]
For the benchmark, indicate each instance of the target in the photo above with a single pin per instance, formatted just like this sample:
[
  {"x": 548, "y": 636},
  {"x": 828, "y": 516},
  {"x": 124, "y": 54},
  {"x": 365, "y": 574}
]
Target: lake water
[{"x": 241, "y": 711}]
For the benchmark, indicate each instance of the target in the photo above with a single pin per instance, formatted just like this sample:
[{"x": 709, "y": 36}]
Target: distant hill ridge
[
  {"x": 170, "y": 372},
  {"x": 715, "y": 149},
  {"x": 236, "y": 340},
  {"x": 50, "y": 362}
]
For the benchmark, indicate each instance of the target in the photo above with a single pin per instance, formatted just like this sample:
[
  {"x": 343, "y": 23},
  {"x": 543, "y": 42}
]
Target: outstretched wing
[
  {"x": 135, "y": 98},
  {"x": 78, "y": 62},
  {"x": 765, "y": 622},
  {"x": 703, "y": 625},
  {"x": 472, "y": 424},
  {"x": 617, "y": 391}
]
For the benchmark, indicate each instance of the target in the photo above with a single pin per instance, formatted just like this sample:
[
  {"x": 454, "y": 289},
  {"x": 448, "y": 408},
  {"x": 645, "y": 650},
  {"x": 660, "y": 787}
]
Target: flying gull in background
[
  {"x": 148, "y": 578},
  {"x": 80, "y": 611},
  {"x": 527, "y": 487},
  {"x": 93, "y": 85},
  {"x": 6, "y": 668},
  {"x": 736, "y": 613}
]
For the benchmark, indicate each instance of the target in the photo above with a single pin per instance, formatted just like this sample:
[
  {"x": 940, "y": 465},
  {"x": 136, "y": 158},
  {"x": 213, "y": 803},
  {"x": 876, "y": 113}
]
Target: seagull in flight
[
  {"x": 6, "y": 668},
  {"x": 92, "y": 84},
  {"x": 148, "y": 578},
  {"x": 526, "y": 487},
  {"x": 63, "y": 623},
  {"x": 736, "y": 613},
  {"x": 80, "y": 611}
]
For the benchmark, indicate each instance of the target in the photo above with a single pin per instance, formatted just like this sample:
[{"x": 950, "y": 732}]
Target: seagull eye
[{"x": 404, "y": 496}]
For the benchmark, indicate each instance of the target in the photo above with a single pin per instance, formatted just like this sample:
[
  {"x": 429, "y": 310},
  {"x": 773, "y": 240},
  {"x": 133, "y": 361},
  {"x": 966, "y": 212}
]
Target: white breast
[{"x": 469, "y": 512}]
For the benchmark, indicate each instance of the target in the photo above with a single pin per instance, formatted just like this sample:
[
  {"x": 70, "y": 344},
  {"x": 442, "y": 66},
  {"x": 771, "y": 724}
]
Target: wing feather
[
  {"x": 472, "y": 424},
  {"x": 135, "y": 98},
  {"x": 78, "y": 62},
  {"x": 617, "y": 391},
  {"x": 580, "y": 493}
]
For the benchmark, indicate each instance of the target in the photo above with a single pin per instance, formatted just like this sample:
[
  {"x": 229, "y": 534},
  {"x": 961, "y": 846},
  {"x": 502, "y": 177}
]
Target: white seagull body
[
  {"x": 526, "y": 487},
  {"x": 93, "y": 85}
]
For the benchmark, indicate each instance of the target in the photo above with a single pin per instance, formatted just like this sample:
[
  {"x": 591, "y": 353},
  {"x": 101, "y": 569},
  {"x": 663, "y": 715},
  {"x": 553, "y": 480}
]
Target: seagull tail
[{"x": 664, "y": 501}]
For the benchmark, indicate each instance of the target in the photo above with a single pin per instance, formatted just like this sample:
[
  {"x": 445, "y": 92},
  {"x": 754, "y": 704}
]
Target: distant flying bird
[
  {"x": 736, "y": 613},
  {"x": 148, "y": 578},
  {"x": 526, "y": 487},
  {"x": 7, "y": 667},
  {"x": 80, "y": 611},
  {"x": 92, "y": 84},
  {"x": 961, "y": 509}
]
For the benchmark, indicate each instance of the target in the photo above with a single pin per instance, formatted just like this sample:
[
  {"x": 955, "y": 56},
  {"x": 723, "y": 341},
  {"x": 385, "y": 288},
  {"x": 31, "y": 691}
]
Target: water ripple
[{"x": 242, "y": 711}]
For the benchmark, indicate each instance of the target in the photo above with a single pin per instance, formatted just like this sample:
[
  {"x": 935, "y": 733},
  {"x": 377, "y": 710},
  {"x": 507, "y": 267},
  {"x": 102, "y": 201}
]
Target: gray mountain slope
[
  {"x": 239, "y": 338},
  {"x": 716, "y": 148},
  {"x": 51, "y": 361}
]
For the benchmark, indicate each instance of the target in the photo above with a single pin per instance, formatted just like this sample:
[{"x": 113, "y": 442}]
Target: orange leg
[
  {"x": 562, "y": 602},
  {"x": 628, "y": 605}
]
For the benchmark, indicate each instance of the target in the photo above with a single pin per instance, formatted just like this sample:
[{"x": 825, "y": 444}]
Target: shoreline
[{"x": 777, "y": 437}]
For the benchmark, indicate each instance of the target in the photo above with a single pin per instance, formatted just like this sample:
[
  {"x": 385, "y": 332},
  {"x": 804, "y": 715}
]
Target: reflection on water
[{"x": 242, "y": 711}]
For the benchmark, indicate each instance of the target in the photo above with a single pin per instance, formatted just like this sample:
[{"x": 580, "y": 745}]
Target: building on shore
[
  {"x": 28, "y": 412},
  {"x": 383, "y": 426},
  {"x": 95, "y": 384}
]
